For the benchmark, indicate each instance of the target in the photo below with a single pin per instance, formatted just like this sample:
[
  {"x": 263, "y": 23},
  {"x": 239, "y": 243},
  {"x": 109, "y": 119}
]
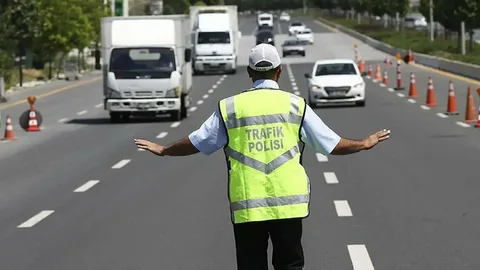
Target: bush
[{"x": 417, "y": 41}]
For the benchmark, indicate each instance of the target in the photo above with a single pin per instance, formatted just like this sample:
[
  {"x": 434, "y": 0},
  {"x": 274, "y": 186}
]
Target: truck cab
[{"x": 144, "y": 68}]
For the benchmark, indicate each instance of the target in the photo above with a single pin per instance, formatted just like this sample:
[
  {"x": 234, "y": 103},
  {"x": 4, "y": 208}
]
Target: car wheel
[
  {"x": 312, "y": 104},
  {"x": 303, "y": 54},
  {"x": 283, "y": 55},
  {"x": 115, "y": 117},
  {"x": 360, "y": 103}
]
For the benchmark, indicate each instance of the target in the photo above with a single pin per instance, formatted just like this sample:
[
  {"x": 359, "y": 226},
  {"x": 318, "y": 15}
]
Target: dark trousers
[{"x": 251, "y": 240}]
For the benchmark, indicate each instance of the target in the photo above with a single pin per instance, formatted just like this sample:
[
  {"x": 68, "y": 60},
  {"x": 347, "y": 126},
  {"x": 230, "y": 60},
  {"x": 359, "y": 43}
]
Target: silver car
[{"x": 291, "y": 47}]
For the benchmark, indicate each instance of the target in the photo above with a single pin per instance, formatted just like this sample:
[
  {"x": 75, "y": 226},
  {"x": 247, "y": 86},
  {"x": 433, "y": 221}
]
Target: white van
[{"x": 265, "y": 20}]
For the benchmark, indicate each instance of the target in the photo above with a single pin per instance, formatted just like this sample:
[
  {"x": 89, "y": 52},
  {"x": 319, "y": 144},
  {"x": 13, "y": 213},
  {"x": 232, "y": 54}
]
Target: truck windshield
[
  {"x": 213, "y": 38},
  {"x": 133, "y": 62},
  {"x": 264, "y": 18}
]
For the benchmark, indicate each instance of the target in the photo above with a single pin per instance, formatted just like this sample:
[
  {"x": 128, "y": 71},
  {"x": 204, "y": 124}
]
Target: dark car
[{"x": 265, "y": 37}]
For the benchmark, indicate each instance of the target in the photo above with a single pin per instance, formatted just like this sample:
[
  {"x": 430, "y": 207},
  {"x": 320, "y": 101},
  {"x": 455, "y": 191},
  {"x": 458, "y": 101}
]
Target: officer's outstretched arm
[
  {"x": 183, "y": 147},
  {"x": 348, "y": 146}
]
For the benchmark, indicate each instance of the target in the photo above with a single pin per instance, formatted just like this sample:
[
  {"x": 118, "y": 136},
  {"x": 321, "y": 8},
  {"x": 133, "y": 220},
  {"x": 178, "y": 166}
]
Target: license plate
[
  {"x": 143, "y": 106},
  {"x": 214, "y": 64},
  {"x": 337, "y": 93}
]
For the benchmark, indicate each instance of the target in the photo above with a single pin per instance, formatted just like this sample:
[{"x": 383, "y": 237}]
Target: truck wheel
[
  {"x": 115, "y": 117},
  {"x": 176, "y": 116},
  {"x": 183, "y": 107}
]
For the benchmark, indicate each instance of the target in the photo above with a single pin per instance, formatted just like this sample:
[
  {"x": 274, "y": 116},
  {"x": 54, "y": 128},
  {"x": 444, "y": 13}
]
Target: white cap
[{"x": 263, "y": 57}]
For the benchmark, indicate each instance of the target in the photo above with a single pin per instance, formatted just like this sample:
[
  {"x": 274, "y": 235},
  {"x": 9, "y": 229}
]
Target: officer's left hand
[{"x": 150, "y": 146}]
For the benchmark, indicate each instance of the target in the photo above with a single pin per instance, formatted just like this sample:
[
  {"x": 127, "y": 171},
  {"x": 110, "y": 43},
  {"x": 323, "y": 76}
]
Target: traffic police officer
[{"x": 263, "y": 131}]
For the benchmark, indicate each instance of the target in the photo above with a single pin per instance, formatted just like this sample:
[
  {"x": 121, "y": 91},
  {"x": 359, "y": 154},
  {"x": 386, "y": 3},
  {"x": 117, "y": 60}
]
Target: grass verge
[{"x": 417, "y": 41}]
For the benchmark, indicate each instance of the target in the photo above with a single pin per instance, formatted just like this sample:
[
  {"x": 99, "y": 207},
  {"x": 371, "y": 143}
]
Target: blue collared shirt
[{"x": 212, "y": 135}]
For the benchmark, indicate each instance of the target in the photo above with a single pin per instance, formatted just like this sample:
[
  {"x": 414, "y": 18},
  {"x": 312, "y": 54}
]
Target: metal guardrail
[{"x": 455, "y": 67}]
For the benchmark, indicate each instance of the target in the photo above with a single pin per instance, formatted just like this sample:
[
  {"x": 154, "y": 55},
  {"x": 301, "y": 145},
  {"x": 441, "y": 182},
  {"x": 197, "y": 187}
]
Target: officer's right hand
[
  {"x": 375, "y": 138},
  {"x": 150, "y": 146}
]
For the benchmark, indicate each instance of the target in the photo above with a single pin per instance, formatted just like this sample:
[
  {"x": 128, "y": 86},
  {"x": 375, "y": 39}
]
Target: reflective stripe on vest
[{"x": 255, "y": 202}]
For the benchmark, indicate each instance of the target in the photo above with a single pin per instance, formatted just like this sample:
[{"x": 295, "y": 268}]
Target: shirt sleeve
[
  {"x": 211, "y": 136},
  {"x": 316, "y": 134}
]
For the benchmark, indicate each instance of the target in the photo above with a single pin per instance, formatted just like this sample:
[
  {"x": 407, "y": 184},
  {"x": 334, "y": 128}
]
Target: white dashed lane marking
[
  {"x": 36, "y": 219},
  {"x": 412, "y": 100},
  {"x": 321, "y": 157},
  {"x": 360, "y": 257},
  {"x": 297, "y": 93},
  {"x": 330, "y": 177},
  {"x": 391, "y": 90},
  {"x": 200, "y": 102},
  {"x": 462, "y": 124},
  {"x": 400, "y": 94},
  {"x": 99, "y": 105},
  {"x": 442, "y": 115},
  {"x": 121, "y": 164},
  {"x": 210, "y": 91},
  {"x": 162, "y": 135},
  {"x": 205, "y": 96},
  {"x": 82, "y": 112},
  {"x": 86, "y": 186},
  {"x": 175, "y": 124},
  {"x": 425, "y": 107},
  {"x": 192, "y": 109},
  {"x": 214, "y": 86},
  {"x": 295, "y": 88},
  {"x": 63, "y": 120},
  {"x": 343, "y": 208},
  {"x": 140, "y": 149}
]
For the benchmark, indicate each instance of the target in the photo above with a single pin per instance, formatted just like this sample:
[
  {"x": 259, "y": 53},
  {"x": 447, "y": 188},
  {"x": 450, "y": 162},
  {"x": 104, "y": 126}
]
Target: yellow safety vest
[{"x": 266, "y": 178}]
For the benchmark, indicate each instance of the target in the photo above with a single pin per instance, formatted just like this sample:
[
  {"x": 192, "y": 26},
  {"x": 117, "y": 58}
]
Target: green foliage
[
  {"x": 199, "y": 3},
  {"x": 46, "y": 27},
  {"x": 412, "y": 39}
]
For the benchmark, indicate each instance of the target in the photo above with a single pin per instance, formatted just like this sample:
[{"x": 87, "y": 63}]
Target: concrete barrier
[{"x": 455, "y": 67}]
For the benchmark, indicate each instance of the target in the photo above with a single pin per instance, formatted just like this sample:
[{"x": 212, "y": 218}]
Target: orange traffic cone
[
  {"x": 385, "y": 78},
  {"x": 9, "y": 130},
  {"x": 431, "y": 100},
  {"x": 477, "y": 125},
  {"x": 362, "y": 66},
  {"x": 452, "y": 100},
  {"x": 410, "y": 56},
  {"x": 370, "y": 71},
  {"x": 470, "y": 112},
  {"x": 378, "y": 74},
  {"x": 412, "y": 93},
  {"x": 32, "y": 121}
]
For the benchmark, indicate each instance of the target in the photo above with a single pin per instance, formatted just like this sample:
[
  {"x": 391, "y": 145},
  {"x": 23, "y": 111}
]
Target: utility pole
[
  {"x": 125, "y": 8},
  {"x": 432, "y": 27}
]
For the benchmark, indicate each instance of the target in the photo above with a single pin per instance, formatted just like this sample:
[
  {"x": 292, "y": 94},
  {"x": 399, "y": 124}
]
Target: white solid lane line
[
  {"x": 330, "y": 177},
  {"x": 82, "y": 112},
  {"x": 99, "y": 105},
  {"x": 162, "y": 135},
  {"x": 36, "y": 219},
  {"x": 86, "y": 186},
  {"x": 192, "y": 109},
  {"x": 321, "y": 157},
  {"x": 199, "y": 102},
  {"x": 205, "y": 96},
  {"x": 63, "y": 120},
  {"x": 121, "y": 164},
  {"x": 343, "y": 209},
  {"x": 360, "y": 257},
  {"x": 175, "y": 124}
]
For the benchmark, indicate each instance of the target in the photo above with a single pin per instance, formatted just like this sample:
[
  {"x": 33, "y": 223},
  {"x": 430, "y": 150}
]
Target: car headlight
[
  {"x": 173, "y": 93},
  {"x": 358, "y": 85},
  {"x": 316, "y": 87},
  {"x": 111, "y": 93}
]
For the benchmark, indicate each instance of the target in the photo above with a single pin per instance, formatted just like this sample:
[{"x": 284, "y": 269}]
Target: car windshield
[
  {"x": 152, "y": 62},
  {"x": 264, "y": 18},
  {"x": 335, "y": 69},
  {"x": 291, "y": 43},
  {"x": 305, "y": 32},
  {"x": 296, "y": 24},
  {"x": 213, "y": 38},
  {"x": 264, "y": 35}
]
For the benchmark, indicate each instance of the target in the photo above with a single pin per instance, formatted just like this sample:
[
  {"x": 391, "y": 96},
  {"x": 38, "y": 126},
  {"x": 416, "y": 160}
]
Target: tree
[
  {"x": 22, "y": 28},
  {"x": 199, "y": 3}
]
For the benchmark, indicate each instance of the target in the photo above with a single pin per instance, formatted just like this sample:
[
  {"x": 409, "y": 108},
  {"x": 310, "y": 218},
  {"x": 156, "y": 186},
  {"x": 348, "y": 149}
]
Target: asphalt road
[{"x": 79, "y": 195}]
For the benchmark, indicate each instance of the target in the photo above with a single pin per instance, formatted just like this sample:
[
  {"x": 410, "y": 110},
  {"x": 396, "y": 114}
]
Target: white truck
[
  {"x": 215, "y": 37},
  {"x": 146, "y": 69}
]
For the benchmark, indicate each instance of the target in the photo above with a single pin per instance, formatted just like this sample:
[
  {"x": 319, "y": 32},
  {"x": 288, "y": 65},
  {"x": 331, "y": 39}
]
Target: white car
[
  {"x": 335, "y": 81},
  {"x": 265, "y": 20},
  {"x": 294, "y": 27},
  {"x": 284, "y": 17},
  {"x": 305, "y": 35}
]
